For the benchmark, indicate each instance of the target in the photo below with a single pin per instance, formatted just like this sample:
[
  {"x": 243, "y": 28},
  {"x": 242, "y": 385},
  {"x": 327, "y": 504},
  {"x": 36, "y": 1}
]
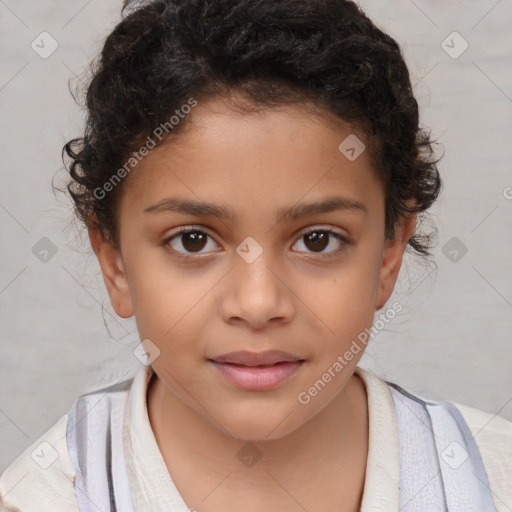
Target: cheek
[
  {"x": 163, "y": 314},
  {"x": 349, "y": 289},
  {"x": 164, "y": 295},
  {"x": 345, "y": 303},
  {"x": 174, "y": 311}
]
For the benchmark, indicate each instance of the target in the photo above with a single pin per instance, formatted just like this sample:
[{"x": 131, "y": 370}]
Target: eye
[
  {"x": 191, "y": 239},
  {"x": 318, "y": 239}
]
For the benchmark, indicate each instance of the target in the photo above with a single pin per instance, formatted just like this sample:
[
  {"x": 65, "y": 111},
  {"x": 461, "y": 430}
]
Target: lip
[
  {"x": 258, "y": 378},
  {"x": 266, "y": 358},
  {"x": 257, "y": 371}
]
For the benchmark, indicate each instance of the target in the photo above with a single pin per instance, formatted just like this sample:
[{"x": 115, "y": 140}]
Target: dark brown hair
[{"x": 326, "y": 52}]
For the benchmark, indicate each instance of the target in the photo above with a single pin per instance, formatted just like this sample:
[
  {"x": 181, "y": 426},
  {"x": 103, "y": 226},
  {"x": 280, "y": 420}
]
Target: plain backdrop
[{"x": 59, "y": 336}]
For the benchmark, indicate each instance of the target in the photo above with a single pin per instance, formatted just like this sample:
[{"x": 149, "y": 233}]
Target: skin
[{"x": 290, "y": 298}]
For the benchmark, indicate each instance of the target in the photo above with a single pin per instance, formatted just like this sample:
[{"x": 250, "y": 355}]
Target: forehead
[{"x": 256, "y": 159}]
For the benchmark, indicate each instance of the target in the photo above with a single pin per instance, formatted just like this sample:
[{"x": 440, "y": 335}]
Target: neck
[{"x": 332, "y": 448}]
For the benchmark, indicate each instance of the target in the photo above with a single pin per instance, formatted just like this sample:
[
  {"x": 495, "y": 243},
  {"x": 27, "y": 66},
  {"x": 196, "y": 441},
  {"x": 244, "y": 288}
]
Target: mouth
[
  {"x": 253, "y": 359},
  {"x": 260, "y": 365},
  {"x": 260, "y": 377}
]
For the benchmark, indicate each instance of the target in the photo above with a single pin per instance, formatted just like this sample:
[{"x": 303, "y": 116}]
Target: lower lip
[{"x": 254, "y": 378}]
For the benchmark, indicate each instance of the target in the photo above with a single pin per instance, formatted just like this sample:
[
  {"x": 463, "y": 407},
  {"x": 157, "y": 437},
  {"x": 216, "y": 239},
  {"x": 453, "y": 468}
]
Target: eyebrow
[{"x": 297, "y": 211}]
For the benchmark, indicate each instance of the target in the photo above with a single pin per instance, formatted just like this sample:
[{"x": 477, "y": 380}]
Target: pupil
[
  {"x": 319, "y": 240},
  {"x": 193, "y": 241}
]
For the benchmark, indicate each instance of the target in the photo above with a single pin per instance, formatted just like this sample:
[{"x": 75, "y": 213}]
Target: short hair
[{"x": 327, "y": 53}]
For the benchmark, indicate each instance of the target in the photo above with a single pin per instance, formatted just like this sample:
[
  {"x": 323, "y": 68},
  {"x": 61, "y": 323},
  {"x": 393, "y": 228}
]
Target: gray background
[{"x": 59, "y": 336}]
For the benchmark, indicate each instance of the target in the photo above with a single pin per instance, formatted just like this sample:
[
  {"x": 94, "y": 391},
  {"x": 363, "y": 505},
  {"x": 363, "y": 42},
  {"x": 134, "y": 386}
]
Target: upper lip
[{"x": 265, "y": 358}]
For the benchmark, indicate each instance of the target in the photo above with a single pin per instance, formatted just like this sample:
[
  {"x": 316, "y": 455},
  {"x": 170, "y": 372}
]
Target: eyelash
[{"x": 192, "y": 229}]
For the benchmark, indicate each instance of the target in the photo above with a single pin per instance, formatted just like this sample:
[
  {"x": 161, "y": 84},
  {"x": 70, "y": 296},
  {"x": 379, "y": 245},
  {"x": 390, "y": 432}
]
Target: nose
[{"x": 257, "y": 294}]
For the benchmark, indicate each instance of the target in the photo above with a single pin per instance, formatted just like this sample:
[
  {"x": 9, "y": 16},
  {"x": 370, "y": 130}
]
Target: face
[{"x": 257, "y": 269}]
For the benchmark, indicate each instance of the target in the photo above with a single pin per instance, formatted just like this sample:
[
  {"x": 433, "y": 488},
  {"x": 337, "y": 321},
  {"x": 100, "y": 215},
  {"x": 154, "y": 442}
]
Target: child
[{"x": 251, "y": 175}]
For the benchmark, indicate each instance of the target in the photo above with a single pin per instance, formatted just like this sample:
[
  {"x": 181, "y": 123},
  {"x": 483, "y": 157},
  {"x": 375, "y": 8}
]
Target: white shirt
[{"x": 25, "y": 486}]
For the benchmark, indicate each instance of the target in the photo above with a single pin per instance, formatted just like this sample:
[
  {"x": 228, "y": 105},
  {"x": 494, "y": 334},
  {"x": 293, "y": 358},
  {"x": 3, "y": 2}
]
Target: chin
[
  {"x": 256, "y": 434},
  {"x": 256, "y": 427}
]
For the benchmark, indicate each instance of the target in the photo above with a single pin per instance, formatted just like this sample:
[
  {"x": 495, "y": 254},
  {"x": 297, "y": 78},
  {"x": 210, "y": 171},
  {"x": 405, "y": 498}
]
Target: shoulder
[
  {"x": 486, "y": 427},
  {"x": 41, "y": 478},
  {"x": 493, "y": 436},
  {"x": 491, "y": 432}
]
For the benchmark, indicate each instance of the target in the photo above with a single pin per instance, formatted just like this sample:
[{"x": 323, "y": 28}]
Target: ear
[
  {"x": 392, "y": 259},
  {"x": 113, "y": 271}
]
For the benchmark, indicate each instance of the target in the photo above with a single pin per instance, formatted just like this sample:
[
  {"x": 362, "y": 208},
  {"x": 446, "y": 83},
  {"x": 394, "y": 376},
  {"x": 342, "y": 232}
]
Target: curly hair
[{"x": 324, "y": 52}]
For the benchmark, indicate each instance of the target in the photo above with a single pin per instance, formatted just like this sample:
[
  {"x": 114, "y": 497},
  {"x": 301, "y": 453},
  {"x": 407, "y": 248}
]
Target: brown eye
[
  {"x": 193, "y": 241},
  {"x": 188, "y": 241},
  {"x": 317, "y": 240}
]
